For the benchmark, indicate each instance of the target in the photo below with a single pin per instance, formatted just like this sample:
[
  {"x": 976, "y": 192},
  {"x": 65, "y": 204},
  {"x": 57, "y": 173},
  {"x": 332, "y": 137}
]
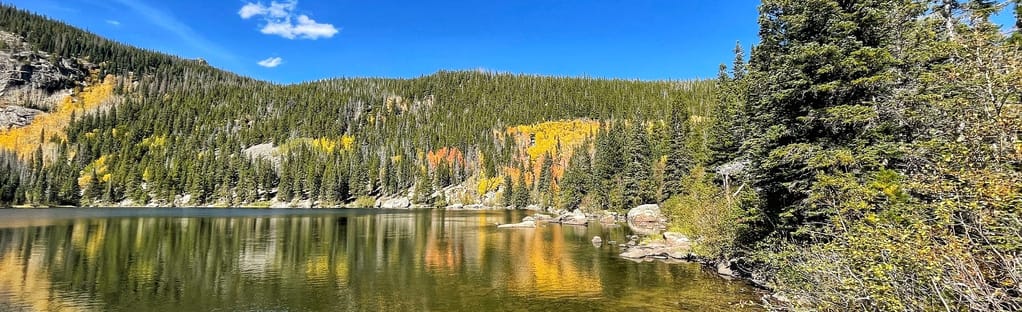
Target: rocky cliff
[{"x": 33, "y": 82}]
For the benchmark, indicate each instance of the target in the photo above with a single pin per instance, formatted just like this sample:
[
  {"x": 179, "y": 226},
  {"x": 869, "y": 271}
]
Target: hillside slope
[{"x": 183, "y": 133}]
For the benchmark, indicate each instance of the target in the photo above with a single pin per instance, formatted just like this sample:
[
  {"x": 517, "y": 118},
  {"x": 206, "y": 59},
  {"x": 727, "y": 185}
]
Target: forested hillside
[{"x": 183, "y": 133}]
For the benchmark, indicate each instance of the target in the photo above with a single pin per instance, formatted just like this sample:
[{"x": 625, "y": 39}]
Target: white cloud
[
  {"x": 113, "y": 22},
  {"x": 280, "y": 19},
  {"x": 250, "y": 10},
  {"x": 271, "y": 62}
]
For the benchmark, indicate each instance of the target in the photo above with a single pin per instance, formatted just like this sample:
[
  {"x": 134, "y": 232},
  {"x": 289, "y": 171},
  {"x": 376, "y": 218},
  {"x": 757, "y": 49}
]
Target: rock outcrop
[
  {"x": 395, "y": 203},
  {"x": 33, "y": 82},
  {"x": 16, "y": 116}
]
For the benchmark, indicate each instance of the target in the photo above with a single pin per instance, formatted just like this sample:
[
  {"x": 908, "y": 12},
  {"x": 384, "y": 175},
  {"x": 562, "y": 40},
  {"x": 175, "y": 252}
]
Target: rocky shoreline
[{"x": 651, "y": 242}]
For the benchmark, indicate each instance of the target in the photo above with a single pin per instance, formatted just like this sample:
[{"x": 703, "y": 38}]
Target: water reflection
[{"x": 343, "y": 260}]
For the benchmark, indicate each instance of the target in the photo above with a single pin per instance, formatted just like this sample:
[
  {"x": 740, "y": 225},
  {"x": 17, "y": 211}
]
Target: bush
[
  {"x": 708, "y": 215},
  {"x": 365, "y": 202}
]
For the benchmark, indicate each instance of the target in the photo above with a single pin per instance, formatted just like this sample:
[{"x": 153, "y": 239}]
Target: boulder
[
  {"x": 644, "y": 214},
  {"x": 608, "y": 219},
  {"x": 521, "y": 225},
  {"x": 597, "y": 240},
  {"x": 645, "y": 219},
  {"x": 724, "y": 268},
  {"x": 634, "y": 253},
  {"x": 396, "y": 203},
  {"x": 574, "y": 218},
  {"x": 674, "y": 238},
  {"x": 528, "y": 218},
  {"x": 539, "y": 217}
]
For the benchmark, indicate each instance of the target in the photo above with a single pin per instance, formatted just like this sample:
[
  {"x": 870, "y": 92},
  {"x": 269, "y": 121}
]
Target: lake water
[{"x": 332, "y": 260}]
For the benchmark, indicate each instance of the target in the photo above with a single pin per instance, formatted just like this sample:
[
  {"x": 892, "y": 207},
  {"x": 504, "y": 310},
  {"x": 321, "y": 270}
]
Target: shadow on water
[{"x": 220, "y": 259}]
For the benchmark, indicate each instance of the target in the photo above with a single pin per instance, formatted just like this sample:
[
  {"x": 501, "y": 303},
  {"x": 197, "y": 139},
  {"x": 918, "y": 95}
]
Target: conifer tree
[
  {"x": 807, "y": 104},
  {"x": 680, "y": 159},
  {"x": 508, "y": 191},
  {"x": 577, "y": 178},
  {"x": 636, "y": 178},
  {"x": 521, "y": 192}
]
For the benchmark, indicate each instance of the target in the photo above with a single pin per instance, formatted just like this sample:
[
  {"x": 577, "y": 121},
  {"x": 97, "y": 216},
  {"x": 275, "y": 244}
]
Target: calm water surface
[{"x": 333, "y": 260}]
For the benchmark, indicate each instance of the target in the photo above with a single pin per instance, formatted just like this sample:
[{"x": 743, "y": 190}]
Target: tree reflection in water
[{"x": 337, "y": 260}]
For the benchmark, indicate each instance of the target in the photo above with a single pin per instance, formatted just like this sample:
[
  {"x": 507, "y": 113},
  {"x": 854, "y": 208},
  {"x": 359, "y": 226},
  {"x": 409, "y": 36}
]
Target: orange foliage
[
  {"x": 451, "y": 155},
  {"x": 25, "y": 140}
]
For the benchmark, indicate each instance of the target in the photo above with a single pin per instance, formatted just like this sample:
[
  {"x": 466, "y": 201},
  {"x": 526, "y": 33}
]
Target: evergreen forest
[{"x": 863, "y": 155}]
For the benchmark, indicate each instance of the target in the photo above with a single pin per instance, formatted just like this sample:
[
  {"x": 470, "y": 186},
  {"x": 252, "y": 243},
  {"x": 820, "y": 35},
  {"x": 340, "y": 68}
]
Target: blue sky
[{"x": 290, "y": 41}]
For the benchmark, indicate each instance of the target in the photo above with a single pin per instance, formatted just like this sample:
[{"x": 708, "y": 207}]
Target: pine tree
[
  {"x": 521, "y": 192},
  {"x": 637, "y": 176},
  {"x": 544, "y": 187},
  {"x": 607, "y": 164},
  {"x": 508, "y": 191},
  {"x": 577, "y": 180},
  {"x": 359, "y": 176},
  {"x": 809, "y": 106},
  {"x": 680, "y": 159},
  {"x": 423, "y": 187}
]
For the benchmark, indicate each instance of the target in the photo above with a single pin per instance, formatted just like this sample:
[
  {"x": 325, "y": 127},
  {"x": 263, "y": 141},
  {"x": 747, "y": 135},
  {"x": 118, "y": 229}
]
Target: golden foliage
[
  {"x": 25, "y": 140},
  {"x": 326, "y": 145},
  {"x": 100, "y": 166},
  {"x": 544, "y": 137},
  {"x": 555, "y": 138},
  {"x": 153, "y": 141},
  {"x": 486, "y": 185}
]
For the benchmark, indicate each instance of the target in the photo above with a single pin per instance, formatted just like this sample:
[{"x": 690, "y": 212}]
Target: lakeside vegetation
[{"x": 866, "y": 155}]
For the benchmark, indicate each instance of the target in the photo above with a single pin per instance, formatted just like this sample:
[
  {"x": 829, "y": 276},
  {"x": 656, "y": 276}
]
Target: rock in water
[
  {"x": 539, "y": 217},
  {"x": 634, "y": 253},
  {"x": 574, "y": 218},
  {"x": 597, "y": 240},
  {"x": 522, "y": 225}
]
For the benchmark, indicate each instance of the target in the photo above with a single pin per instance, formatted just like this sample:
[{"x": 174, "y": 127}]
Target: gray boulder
[
  {"x": 396, "y": 203},
  {"x": 644, "y": 214},
  {"x": 575, "y": 218},
  {"x": 521, "y": 225}
]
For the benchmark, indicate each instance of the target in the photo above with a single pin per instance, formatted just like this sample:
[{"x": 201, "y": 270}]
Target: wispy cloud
[
  {"x": 173, "y": 25},
  {"x": 113, "y": 22},
  {"x": 280, "y": 19},
  {"x": 271, "y": 62}
]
